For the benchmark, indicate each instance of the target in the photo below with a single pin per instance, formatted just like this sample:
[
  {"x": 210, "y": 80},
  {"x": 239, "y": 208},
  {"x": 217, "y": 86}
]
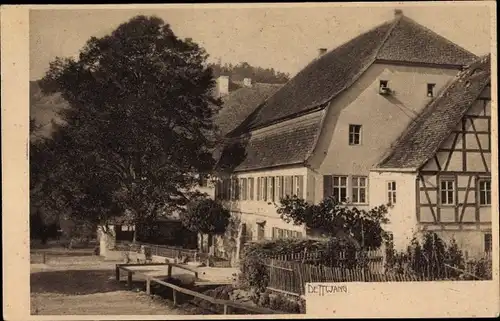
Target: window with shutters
[
  {"x": 251, "y": 188},
  {"x": 297, "y": 187},
  {"x": 243, "y": 189},
  {"x": 279, "y": 233},
  {"x": 233, "y": 190},
  {"x": 258, "y": 189},
  {"x": 288, "y": 186},
  {"x": 358, "y": 190},
  {"x": 263, "y": 188},
  {"x": 391, "y": 192},
  {"x": 270, "y": 189},
  {"x": 278, "y": 190},
  {"x": 339, "y": 188},
  {"x": 484, "y": 192}
]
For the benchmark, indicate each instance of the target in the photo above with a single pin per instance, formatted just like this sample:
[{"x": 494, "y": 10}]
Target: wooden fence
[
  {"x": 374, "y": 259},
  {"x": 290, "y": 277},
  {"x": 226, "y": 304}
]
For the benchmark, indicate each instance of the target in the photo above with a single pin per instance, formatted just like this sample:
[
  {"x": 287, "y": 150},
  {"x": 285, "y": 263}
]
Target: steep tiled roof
[
  {"x": 280, "y": 146},
  {"x": 401, "y": 40},
  {"x": 422, "y": 139},
  {"x": 242, "y": 102}
]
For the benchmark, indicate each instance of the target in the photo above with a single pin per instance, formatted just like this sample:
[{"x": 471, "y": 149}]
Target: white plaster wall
[
  {"x": 402, "y": 215},
  {"x": 383, "y": 118}
]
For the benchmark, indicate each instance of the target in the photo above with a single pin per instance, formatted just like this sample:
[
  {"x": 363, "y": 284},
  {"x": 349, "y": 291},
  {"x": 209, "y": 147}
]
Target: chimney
[
  {"x": 321, "y": 51},
  {"x": 222, "y": 86},
  {"x": 247, "y": 82},
  {"x": 398, "y": 13}
]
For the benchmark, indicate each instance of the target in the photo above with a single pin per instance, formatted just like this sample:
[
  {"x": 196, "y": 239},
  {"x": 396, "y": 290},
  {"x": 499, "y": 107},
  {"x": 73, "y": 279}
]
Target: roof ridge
[
  {"x": 394, "y": 22},
  {"x": 438, "y": 35}
]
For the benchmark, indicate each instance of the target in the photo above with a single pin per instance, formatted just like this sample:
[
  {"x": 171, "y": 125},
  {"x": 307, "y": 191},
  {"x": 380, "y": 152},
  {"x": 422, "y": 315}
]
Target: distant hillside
[{"x": 244, "y": 70}]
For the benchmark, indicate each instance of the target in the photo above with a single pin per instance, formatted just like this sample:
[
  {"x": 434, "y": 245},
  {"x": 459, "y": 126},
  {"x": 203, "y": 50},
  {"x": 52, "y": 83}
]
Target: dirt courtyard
[{"x": 86, "y": 285}]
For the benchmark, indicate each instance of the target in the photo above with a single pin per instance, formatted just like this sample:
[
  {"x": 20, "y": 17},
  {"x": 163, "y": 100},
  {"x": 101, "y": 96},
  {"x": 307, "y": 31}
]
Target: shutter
[
  {"x": 264, "y": 188},
  {"x": 288, "y": 187},
  {"x": 327, "y": 186},
  {"x": 258, "y": 188},
  {"x": 251, "y": 186},
  {"x": 300, "y": 190}
]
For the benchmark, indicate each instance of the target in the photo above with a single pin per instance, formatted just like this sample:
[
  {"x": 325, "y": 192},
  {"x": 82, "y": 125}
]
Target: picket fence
[
  {"x": 374, "y": 259},
  {"x": 290, "y": 277}
]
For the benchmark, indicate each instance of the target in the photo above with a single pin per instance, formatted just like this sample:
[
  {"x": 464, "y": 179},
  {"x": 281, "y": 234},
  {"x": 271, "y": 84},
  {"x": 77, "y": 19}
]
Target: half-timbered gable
[{"x": 448, "y": 148}]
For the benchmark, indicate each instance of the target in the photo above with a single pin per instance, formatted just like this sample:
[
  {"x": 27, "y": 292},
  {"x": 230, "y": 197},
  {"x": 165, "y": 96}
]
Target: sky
[{"x": 285, "y": 38}]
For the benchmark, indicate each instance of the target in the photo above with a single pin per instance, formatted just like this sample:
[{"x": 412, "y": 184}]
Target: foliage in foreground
[
  {"x": 431, "y": 257},
  {"x": 254, "y": 273},
  {"x": 332, "y": 219}
]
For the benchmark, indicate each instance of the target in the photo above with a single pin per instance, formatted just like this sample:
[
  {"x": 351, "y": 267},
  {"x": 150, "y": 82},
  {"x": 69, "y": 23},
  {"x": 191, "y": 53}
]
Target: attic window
[
  {"x": 384, "y": 88},
  {"x": 430, "y": 90}
]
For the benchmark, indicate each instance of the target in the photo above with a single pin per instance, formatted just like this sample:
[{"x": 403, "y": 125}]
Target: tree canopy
[
  {"x": 139, "y": 128},
  {"x": 206, "y": 216},
  {"x": 244, "y": 70}
]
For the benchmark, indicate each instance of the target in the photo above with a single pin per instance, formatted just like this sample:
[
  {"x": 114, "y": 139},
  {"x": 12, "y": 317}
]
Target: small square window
[
  {"x": 383, "y": 84},
  {"x": 430, "y": 90},
  {"x": 354, "y": 134}
]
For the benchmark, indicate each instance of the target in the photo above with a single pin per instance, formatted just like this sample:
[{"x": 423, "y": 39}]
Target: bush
[
  {"x": 430, "y": 257},
  {"x": 280, "y": 302}
]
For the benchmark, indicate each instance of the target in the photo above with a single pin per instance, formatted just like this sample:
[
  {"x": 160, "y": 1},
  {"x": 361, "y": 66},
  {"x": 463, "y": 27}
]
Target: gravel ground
[{"x": 86, "y": 286}]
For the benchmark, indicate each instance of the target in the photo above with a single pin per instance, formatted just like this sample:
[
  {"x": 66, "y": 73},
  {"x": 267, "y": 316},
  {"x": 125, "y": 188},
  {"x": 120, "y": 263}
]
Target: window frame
[
  {"x": 447, "y": 190},
  {"x": 270, "y": 188},
  {"x": 430, "y": 90},
  {"x": 278, "y": 188},
  {"x": 481, "y": 191},
  {"x": 339, "y": 187},
  {"x": 243, "y": 188},
  {"x": 355, "y": 131},
  {"x": 359, "y": 187},
  {"x": 250, "y": 188},
  {"x": 392, "y": 192}
]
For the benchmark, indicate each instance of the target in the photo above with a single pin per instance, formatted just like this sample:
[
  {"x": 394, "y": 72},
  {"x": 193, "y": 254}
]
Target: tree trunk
[
  {"x": 134, "y": 238},
  {"x": 210, "y": 244},
  {"x": 200, "y": 241}
]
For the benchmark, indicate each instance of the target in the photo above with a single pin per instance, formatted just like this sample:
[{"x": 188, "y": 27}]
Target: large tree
[{"x": 139, "y": 128}]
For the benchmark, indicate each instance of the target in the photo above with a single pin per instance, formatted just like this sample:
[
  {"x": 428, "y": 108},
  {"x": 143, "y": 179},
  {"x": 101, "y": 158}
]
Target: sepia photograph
[{"x": 199, "y": 160}]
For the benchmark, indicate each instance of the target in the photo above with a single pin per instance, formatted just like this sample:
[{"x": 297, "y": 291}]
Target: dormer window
[
  {"x": 430, "y": 90},
  {"x": 384, "y": 87}
]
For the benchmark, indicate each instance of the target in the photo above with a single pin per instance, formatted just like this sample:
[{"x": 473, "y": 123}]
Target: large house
[
  {"x": 323, "y": 132},
  {"x": 438, "y": 175}
]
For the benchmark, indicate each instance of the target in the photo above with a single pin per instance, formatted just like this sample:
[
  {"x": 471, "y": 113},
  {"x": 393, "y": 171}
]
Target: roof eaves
[
  {"x": 443, "y": 139},
  {"x": 258, "y": 168}
]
